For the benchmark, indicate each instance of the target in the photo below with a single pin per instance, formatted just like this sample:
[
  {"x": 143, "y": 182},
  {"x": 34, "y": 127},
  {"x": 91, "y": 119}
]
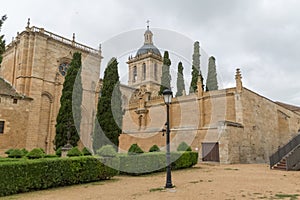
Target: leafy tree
[
  {"x": 211, "y": 81},
  {"x": 180, "y": 80},
  {"x": 2, "y": 41},
  {"x": 166, "y": 77},
  {"x": 196, "y": 68},
  {"x": 69, "y": 115},
  {"x": 109, "y": 114}
]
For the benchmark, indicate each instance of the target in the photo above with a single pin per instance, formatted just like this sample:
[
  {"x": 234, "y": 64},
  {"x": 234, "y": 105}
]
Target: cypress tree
[
  {"x": 180, "y": 80},
  {"x": 2, "y": 41},
  {"x": 211, "y": 81},
  {"x": 109, "y": 113},
  {"x": 166, "y": 77},
  {"x": 196, "y": 68},
  {"x": 69, "y": 115}
]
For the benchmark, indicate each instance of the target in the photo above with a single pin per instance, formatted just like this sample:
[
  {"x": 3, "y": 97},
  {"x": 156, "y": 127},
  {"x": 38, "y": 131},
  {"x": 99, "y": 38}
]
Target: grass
[
  {"x": 291, "y": 196},
  {"x": 156, "y": 189},
  {"x": 231, "y": 169}
]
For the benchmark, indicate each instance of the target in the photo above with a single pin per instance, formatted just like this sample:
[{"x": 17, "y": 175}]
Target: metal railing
[
  {"x": 283, "y": 151},
  {"x": 293, "y": 161}
]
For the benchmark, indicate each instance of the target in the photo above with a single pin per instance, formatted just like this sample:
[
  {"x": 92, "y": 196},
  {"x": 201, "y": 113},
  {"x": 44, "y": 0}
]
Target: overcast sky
[{"x": 259, "y": 36}]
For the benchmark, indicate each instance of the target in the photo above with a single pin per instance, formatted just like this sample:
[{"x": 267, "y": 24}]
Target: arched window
[
  {"x": 155, "y": 71},
  {"x": 144, "y": 71},
  {"x": 134, "y": 79}
]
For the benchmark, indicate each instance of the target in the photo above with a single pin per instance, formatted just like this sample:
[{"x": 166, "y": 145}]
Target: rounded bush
[
  {"x": 74, "y": 152},
  {"x": 184, "y": 147},
  {"x": 8, "y": 151},
  {"x": 35, "y": 154},
  {"x": 16, "y": 153},
  {"x": 86, "y": 152},
  {"x": 135, "y": 149},
  {"x": 154, "y": 148},
  {"x": 107, "y": 151},
  {"x": 24, "y": 151}
]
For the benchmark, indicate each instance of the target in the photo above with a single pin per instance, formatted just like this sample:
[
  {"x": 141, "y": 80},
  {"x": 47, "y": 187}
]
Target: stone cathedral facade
[
  {"x": 231, "y": 125},
  {"x": 32, "y": 75}
]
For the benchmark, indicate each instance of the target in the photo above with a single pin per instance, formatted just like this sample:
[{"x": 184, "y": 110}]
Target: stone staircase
[
  {"x": 288, "y": 156},
  {"x": 281, "y": 165}
]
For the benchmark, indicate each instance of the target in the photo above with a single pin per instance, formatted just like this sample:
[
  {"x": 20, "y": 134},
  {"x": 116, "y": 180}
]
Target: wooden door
[{"x": 210, "y": 151}]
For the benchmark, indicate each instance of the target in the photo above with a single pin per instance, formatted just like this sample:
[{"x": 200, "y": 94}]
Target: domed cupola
[{"x": 148, "y": 44}]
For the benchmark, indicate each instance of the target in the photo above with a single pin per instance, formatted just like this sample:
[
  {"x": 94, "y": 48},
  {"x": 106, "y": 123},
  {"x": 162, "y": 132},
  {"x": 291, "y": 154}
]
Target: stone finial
[
  {"x": 100, "y": 48},
  {"x": 73, "y": 37},
  {"x": 199, "y": 86},
  {"x": 28, "y": 22},
  {"x": 238, "y": 79}
]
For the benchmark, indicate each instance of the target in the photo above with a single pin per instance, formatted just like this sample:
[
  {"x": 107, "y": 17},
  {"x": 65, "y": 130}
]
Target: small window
[
  {"x": 155, "y": 71},
  {"x": 15, "y": 101},
  {"x": 134, "y": 74},
  {"x": 144, "y": 71},
  {"x": 1, "y": 127}
]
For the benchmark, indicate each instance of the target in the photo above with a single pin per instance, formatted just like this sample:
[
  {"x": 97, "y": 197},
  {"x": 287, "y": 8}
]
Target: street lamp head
[{"x": 168, "y": 94}]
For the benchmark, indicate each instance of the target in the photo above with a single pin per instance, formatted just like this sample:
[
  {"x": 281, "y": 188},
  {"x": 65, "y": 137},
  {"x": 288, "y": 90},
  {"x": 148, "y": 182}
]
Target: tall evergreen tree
[
  {"x": 196, "y": 68},
  {"x": 2, "y": 41},
  {"x": 166, "y": 77},
  {"x": 211, "y": 81},
  {"x": 180, "y": 80},
  {"x": 69, "y": 115},
  {"x": 109, "y": 113}
]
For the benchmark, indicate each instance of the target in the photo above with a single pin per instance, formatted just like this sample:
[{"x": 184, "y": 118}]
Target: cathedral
[
  {"x": 31, "y": 80},
  {"x": 231, "y": 125}
]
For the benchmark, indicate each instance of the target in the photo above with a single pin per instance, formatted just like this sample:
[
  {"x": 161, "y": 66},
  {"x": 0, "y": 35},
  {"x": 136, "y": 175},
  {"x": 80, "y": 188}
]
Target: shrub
[
  {"x": 26, "y": 175},
  {"x": 50, "y": 156},
  {"x": 155, "y": 162},
  {"x": 58, "y": 151},
  {"x": 135, "y": 149},
  {"x": 16, "y": 153},
  {"x": 74, "y": 152},
  {"x": 24, "y": 151},
  {"x": 107, "y": 151},
  {"x": 8, "y": 151},
  {"x": 86, "y": 152},
  {"x": 184, "y": 147},
  {"x": 154, "y": 148},
  {"x": 35, "y": 153}
]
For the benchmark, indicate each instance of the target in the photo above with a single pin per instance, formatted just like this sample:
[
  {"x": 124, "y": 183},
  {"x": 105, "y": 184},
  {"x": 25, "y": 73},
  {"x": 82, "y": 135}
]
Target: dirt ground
[{"x": 204, "y": 181}]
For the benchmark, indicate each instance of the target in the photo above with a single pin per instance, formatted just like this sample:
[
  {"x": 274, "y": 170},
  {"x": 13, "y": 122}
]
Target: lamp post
[{"x": 167, "y": 93}]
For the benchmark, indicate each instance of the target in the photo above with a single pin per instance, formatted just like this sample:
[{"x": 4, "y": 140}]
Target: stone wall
[
  {"x": 15, "y": 117},
  {"x": 31, "y": 64}
]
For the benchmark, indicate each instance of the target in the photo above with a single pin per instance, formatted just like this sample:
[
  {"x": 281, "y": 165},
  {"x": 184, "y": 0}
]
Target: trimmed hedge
[
  {"x": 16, "y": 153},
  {"x": 35, "y": 153},
  {"x": 154, "y": 148},
  {"x": 86, "y": 152},
  {"x": 27, "y": 175},
  {"x": 107, "y": 151},
  {"x": 135, "y": 149},
  {"x": 155, "y": 162},
  {"x": 184, "y": 147},
  {"x": 74, "y": 152}
]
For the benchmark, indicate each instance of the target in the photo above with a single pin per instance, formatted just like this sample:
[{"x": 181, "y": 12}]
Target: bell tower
[{"x": 145, "y": 68}]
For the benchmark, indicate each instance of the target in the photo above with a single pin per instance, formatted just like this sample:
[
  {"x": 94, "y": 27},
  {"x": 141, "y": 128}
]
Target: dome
[{"x": 148, "y": 48}]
